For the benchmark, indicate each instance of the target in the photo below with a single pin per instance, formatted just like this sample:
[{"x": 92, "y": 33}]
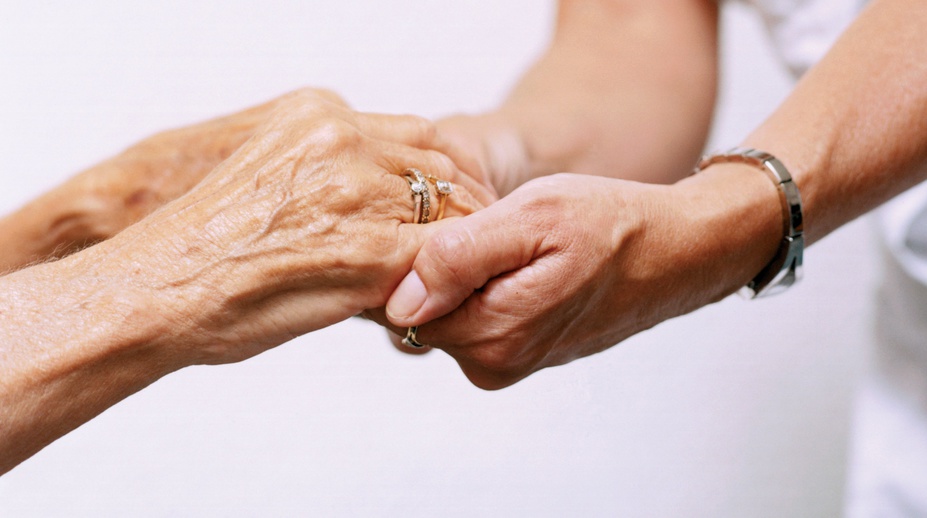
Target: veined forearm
[
  {"x": 854, "y": 131},
  {"x": 77, "y": 338}
]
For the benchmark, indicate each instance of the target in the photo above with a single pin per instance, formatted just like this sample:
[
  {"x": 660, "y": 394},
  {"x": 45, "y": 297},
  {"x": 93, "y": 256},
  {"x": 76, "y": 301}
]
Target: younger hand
[{"x": 569, "y": 265}]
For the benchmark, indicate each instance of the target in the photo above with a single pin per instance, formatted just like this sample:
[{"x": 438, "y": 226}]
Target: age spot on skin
[{"x": 138, "y": 197}]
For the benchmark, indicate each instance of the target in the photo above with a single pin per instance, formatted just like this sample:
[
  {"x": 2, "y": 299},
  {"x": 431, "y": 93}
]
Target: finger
[
  {"x": 468, "y": 197},
  {"x": 466, "y": 162},
  {"x": 437, "y": 165},
  {"x": 492, "y": 333},
  {"x": 488, "y": 316},
  {"x": 422, "y": 133},
  {"x": 398, "y": 201},
  {"x": 378, "y": 315},
  {"x": 410, "y": 130},
  {"x": 416, "y": 131},
  {"x": 458, "y": 259},
  {"x": 402, "y": 201},
  {"x": 397, "y": 158}
]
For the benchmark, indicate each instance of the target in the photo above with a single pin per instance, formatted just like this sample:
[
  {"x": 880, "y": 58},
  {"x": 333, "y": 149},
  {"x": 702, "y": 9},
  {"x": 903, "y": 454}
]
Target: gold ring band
[
  {"x": 445, "y": 189},
  {"x": 421, "y": 214}
]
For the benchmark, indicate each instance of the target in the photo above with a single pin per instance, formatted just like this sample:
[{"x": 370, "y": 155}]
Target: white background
[{"x": 740, "y": 409}]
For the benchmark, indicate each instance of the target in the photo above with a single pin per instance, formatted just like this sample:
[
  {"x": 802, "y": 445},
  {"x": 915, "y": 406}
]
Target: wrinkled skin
[
  {"x": 308, "y": 223},
  {"x": 569, "y": 265},
  {"x": 101, "y": 201}
]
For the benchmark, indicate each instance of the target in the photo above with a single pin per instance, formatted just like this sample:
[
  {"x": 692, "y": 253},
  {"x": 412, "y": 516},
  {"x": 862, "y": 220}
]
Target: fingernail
[{"x": 409, "y": 296}]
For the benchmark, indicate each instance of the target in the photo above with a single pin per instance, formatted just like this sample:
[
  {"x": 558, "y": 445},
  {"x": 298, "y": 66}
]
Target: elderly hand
[
  {"x": 101, "y": 201},
  {"x": 498, "y": 155},
  {"x": 568, "y": 265},
  {"x": 307, "y": 224}
]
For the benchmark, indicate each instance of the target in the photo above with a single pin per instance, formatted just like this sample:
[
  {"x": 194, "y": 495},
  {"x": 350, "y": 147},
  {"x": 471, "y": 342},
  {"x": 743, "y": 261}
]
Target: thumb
[{"x": 459, "y": 259}]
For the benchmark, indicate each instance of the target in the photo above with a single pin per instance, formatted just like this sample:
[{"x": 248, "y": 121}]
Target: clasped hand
[
  {"x": 306, "y": 220},
  {"x": 569, "y": 265}
]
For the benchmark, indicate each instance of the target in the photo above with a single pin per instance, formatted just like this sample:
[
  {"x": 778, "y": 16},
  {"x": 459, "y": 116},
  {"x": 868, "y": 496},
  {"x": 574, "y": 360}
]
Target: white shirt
[{"x": 888, "y": 458}]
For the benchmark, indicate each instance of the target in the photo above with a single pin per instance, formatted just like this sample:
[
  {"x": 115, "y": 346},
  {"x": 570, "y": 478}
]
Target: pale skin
[
  {"x": 307, "y": 223},
  {"x": 569, "y": 265}
]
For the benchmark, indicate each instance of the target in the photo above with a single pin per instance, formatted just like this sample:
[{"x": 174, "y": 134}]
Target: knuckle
[
  {"x": 298, "y": 98},
  {"x": 449, "y": 253},
  {"x": 304, "y": 92},
  {"x": 444, "y": 167},
  {"x": 308, "y": 103},
  {"x": 543, "y": 211},
  {"x": 424, "y": 128},
  {"x": 330, "y": 96},
  {"x": 309, "y": 94},
  {"x": 446, "y": 246},
  {"x": 332, "y": 132}
]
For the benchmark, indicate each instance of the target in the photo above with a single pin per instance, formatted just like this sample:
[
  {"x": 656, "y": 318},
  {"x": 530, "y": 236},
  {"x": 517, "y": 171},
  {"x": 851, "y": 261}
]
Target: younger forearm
[
  {"x": 626, "y": 90},
  {"x": 854, "y": 131}
]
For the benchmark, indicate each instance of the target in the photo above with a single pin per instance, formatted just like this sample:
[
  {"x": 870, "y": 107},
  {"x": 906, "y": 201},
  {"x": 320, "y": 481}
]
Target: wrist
[
  {"x": 159, "y": 287},
  {"x": 739, "y": 211},
  {"x": 784, "y": 269},
  {"x": 80, "y": 338},
  {"x": 131, "y": 312}
]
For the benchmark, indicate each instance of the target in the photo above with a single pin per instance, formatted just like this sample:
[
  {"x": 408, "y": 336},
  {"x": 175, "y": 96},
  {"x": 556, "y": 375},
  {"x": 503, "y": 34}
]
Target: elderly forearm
[
  {"x": 854, "y": 131},
  {"x": 79, "y": 335}
]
